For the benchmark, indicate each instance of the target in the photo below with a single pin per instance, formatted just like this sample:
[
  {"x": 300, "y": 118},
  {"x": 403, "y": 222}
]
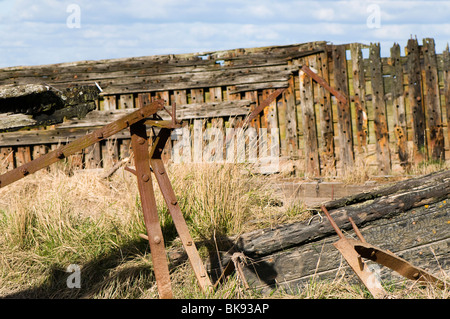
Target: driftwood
[
  {"x": 32, "y": 105},
  {"x": 410, "y": 218}
]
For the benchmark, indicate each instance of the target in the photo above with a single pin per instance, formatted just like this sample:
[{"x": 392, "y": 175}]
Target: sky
[{"x": 49, "y": 31}]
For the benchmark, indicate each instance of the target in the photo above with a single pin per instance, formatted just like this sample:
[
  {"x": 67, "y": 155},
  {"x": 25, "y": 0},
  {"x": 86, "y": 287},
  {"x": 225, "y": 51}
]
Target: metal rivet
[
  {"x": 157, "y": 239},
  {"x": 145, "y": 178}
]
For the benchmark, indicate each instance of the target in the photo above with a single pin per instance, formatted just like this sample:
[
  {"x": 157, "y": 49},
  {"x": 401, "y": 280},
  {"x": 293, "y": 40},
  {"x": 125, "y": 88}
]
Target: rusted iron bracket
[
  {"x": 355, "y": 250},
  {"x": 146, "y": 163},
  {"x": 339, "y": 96},
  {"x": 272, "y": 97}
]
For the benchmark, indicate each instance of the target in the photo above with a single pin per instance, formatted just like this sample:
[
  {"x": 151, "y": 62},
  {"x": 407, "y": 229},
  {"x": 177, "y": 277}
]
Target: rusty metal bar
[
  {"x": 332, "y": 222},
  {"x": 341, "y": 97},
  {"x": 80, "y": 143},
  {"x": 356, "y": 229},
  {"x": 354, "y": 250},
  {"x": 175, "y": 210},
  {"x": 139, "y": 143},
  {"x": 262, "y": 106}
]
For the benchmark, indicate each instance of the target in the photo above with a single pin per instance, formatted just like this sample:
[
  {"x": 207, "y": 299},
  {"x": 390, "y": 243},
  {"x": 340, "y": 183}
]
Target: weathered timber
[
  {"x": 359, "y": 88},
  {"x": 415, "y": 101},
  {"x": 418, "y": 235},
  {"x": 309, "y": 125},
  {"x": 379, "y": 109},
  {"x": 409, "y": 218},
  {"x": 446, "y": 78},
  {"x": 432, "y": 102},
  {"x": 327, "y": 158},
  {"x": 345, "y": 135},
  {"x": 399, "y": 106},
  {"x": 171, "y": 72},
  {"x": 42, "y": 105},
  {"x": 363, "y": 208}
]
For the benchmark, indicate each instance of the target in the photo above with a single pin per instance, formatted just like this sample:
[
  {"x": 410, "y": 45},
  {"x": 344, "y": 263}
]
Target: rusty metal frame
[
  {"x": 145, "y": 163},
  {"x": 355, "y": 250},
  {"x": 339, "y": 96}
]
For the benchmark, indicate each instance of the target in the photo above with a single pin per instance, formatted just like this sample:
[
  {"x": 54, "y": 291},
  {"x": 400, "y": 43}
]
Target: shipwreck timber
[{"x": 410, "y": 218}]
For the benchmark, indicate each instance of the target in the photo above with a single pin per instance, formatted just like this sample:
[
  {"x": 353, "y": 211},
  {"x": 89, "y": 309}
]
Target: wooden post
[
  {"x": 359, "y": 87},
  {"x": 343, "y": 109},
  {"x": 309, "y": 125},
  {"x": 291, "y": 119},
  {"x": 379, "y": 109},
  {"x": 399, "y": 105},
  {"x": 415, "y": 100},
  {"x": 446, "y": 76},
  {"x": 432, "y": 102}
]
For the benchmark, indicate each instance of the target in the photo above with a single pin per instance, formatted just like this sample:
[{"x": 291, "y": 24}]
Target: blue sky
[{"x": 38, "y": 32}]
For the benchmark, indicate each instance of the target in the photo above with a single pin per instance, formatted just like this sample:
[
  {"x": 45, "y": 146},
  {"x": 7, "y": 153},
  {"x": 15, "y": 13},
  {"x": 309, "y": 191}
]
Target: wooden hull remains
[{"x": 409, "y": 218}]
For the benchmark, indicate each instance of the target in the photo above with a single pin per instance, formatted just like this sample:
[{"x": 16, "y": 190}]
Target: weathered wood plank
[
  {"x": 397, "y": 198},
  {"x": 415, "y": 100},
  {"x": 433, "y": 114},
  {"x": 379, "y": 109},
  {"x": 446, "y": 79},
  {"x": 399, "y": 106},
  {"x": 291, "y": 119},
  {"x": 416, "y": 235},
  {"x": 126, "y": 101},
  {"x": 312, "y": 164},
  {"x": 359, "y": 87},
  {"x": 327, "y": 158},
  {"x": 344, "y": 119}
]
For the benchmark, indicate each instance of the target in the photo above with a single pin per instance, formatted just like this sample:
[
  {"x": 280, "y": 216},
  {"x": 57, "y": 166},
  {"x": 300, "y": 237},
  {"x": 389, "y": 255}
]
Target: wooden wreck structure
[
  {"x": 329, "y": 106},
  {"x": 396, "y": 111}
]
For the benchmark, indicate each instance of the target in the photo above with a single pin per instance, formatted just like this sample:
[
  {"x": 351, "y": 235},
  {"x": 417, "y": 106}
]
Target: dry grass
[{"x": 50, "y": 220}]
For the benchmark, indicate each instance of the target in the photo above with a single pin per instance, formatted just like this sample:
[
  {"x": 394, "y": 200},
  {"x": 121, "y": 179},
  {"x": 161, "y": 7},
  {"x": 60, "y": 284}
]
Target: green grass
[{"x": 50, "y": 220}]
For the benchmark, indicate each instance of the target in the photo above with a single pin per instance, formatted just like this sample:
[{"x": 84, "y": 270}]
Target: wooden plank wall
[{"x": 397, "y": 116}]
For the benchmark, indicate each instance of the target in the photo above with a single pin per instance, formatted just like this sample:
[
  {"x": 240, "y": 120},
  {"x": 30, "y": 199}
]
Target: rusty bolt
[
  {"x": 145, "y": 178},
  {"x": 157, "y": 239}
]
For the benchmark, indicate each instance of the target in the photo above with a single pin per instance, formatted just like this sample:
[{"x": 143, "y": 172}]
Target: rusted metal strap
[
  {"x": 354, "y": 250},
  {"x": 139, "y": 143},
  {"x": 272, "y": 97},
  {"x": 341, "y": 97},
  {"x": 175, "y": 210},
  {"x": 80, "y": 143},
  {"x": 395, "y": 263}
]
